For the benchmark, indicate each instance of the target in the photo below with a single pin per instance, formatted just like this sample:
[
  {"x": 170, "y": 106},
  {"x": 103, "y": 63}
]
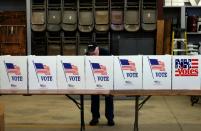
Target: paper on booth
[
  {"x": 127, "y": 72},
  {"x": 99, "y": 72},
  {"x": 157, "y": 72},
  {"x": 70, "y": 72},
  {"x": 185, "y": 72},
  {"x": 13, "y": 75},
  {"x": 42, "y": 73}
]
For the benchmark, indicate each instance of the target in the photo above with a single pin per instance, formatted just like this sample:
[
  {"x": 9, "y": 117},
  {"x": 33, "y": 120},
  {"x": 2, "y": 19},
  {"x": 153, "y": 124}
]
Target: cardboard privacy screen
[
  {"x": 185, "y": 73},
  {"x": 70, "y": 72},
  {"x": 99, "y": 72},
  {"x": 157, "y": 72},
  {"x": 13, "y": 75},
  {"x": 42, "y": 73},
  {"x": 127, "y": 72}
]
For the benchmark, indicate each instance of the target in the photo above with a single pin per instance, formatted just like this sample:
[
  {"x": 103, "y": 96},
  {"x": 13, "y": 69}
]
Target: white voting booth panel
[
  {"x": 42, "y": 73},
  {"x": 127, "y": 72},
  {"x": 99, "y": 72},
  {"x": 195, "y": 2},
  {"x": 185, "y": 73},
  {"x": 13, "y": 73},
  {"x": 70, "y": 72},
  {"x": 157, "y": 72}
]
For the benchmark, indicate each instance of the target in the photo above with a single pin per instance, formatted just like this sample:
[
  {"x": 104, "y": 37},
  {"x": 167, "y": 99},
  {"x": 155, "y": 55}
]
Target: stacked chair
[
  {"x": 54, "y": 41},
  {"x": 39, "y": 43},
  {"x": 101, "y": 8},
  {"x": 66, "y": 27},
  {"x": 85, "y": 15},
  {"x": 69, "y": 43},
  {"x": 149, "y": 16},
  {"x": 116, "y": 15},
  {"x": 38, "y": 26},
  {"x": 102, "y": 39},
  {"x": 83, "y": 40},
  {"x": 54, "y": 15},
  {"x": 38, "y": 15},
  {"x": 69, "y": 26},
  {"x": 69, "y": 17},
  {"x": 132, "y": 15}
]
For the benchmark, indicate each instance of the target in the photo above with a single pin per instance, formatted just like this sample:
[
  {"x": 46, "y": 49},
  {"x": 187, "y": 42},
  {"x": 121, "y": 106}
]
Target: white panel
[
  {"x": 99, "y": 72},
  {"x": 157, "y": 72},
  {"x": 42, "y": 72},
  {"x": 194, "y": 2},
  {"x": 13, "y": 72},
  {"x": 70, "y": 72},
  {"x": 185, "y": 73},
  {"x": 127, "y": 72}
]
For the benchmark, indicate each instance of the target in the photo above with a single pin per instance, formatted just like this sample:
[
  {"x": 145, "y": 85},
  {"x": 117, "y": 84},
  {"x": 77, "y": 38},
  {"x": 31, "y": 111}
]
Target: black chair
[
  {"x": 102, "y": 39},
  {"x": 69, "y": 43},
  {"x": 83, "y": 40},
  {"x": 38, "y": 43},
  {"x": 54, "y": 43}
]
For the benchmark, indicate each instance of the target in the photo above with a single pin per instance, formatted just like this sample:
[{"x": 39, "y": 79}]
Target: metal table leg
[
  {"x": 81, "y": 107},
  {"x": 138, "y": 106},
  {"x": 82, "y": 113},
  {"x": 136, "y": 113}
]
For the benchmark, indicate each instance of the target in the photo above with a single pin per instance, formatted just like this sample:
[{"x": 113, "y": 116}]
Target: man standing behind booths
[{"x": 94, "y": 50}]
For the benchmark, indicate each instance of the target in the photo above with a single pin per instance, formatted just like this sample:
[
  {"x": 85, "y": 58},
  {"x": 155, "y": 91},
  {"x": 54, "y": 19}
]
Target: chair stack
[
  {"x": 53, "y": 27},
  {"x": 39, "y": 43},
  {"x": 83, "y": 40},
  {"x": 67, "y": 26},
  {"x": 38, "y": 26},
  {"x": 102, "y": 39},
  {"x": 69, "y": 41}
]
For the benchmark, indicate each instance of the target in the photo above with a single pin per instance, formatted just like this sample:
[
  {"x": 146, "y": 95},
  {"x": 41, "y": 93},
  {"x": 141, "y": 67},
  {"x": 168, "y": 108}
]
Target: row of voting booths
[
  {"x": 85, "y": 15},
  {"x": 55, "y": 73}
]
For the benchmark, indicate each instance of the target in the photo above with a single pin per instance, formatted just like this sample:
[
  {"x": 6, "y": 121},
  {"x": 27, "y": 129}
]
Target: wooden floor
[{"x": 57, "y": 113}]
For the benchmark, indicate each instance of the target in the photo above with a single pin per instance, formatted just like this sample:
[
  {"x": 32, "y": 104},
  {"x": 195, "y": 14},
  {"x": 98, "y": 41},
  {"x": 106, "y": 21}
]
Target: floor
[{"x": 57, "y": 113}]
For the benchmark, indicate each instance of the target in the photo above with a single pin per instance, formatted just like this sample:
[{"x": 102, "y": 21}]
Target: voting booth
[
  {"x": 127, "y": 72},
  {"x": 13, "y": 73},
  {"x": 70, "y": 72},
  {"x": 53, "y": 73},
  {"x": 157, "y": 72},
  {"x": 186, "y": 72},
  {"x": 99, "y": 72},
  {"x": 42, "y": 73}
]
